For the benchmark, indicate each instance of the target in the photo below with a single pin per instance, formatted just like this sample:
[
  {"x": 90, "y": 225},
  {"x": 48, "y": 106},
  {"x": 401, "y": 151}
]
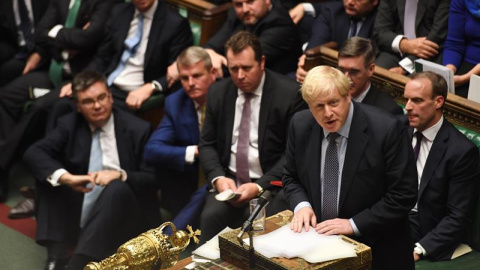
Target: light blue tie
[
  {"x": 95, "y": 165},
  {"x": 131, "y": 47}
]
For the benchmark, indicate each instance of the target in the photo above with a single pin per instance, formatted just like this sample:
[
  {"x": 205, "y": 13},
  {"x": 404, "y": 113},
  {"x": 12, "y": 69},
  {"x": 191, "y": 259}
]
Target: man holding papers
[{"x": 350, "y": 167}]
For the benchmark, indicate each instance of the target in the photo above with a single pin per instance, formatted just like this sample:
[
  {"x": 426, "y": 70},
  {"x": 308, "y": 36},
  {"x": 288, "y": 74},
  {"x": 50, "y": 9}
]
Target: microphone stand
[{"x": 251, "y": 250}]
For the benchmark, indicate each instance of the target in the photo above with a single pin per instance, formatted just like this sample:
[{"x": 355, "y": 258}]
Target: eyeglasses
[
  {"x": 351, "y": 72},
  {"x": 90, "y": 102}
]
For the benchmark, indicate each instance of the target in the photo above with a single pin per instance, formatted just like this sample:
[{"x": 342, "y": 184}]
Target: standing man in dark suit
[
  {"x": 356, "y": 59},
  {"x": 17, "y": 45},
  {"x": 350, "y": 167},
  {"x": 243, "y": 140},
  {"x": 337, "y": 22},
  {"x": 68, "y": 34},
  {"x": 448, "y": 171},
  {"x": 92, "y": 186},
  {"x": 409, "y": 29},
  {"x": 173, "y": 146}
]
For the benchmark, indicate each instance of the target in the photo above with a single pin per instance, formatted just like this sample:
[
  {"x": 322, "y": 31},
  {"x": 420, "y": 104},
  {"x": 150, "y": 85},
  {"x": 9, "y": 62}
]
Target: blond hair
[{"x": 323, "y": 80}]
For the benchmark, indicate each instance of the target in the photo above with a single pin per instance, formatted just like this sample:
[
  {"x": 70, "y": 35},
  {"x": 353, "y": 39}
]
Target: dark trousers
[
  {"x": 116, "y": 218},
  {"x": 11, "y": 69}
]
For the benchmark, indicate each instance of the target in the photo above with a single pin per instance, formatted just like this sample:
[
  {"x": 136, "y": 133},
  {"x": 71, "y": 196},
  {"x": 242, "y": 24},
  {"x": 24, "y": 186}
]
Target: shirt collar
[
  {"x": 149, "y": 13},
  {"x": 431, "y": 132},
  {"x": 258, "y": 92},
  {"x": 362, "y": 96},
  {"x": 106, "y": 127}
]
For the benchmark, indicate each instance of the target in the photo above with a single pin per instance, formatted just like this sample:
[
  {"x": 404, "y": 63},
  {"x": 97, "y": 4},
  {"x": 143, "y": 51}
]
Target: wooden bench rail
[
  {"x": 209, "y": 16},
  {"x": 458, "y": 110}
]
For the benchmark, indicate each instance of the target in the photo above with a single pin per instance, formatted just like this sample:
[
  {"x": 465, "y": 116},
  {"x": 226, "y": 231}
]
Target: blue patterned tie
[
  {"x": 95, "y": 164},
  {"x": 26, "y": 25},
  {"x": 353, "y": 28},
  {"x": 131, "y": 47},
  {"x": 330, "y": 181}
]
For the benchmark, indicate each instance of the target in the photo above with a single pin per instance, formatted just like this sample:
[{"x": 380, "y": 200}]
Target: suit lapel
[
  {"x": 230, "y": 100},
  {"x": 123, "y": 143},
  {"x": 401, "y": 12},
  {"x": 420, "y": 13},
  {"x": 157, "y": 22},
  {"x": 189, "y": 119},
  {"x": 357, "y": 142},
  {"x": 314, "y": 150},
  {"x": 265, "y": 103},
  {"x": 434, "y": 158}
]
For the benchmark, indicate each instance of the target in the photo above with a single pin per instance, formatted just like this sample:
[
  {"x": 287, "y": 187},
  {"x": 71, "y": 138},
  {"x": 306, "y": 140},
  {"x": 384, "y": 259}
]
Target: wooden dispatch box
[{"x": 232, "y": 252}]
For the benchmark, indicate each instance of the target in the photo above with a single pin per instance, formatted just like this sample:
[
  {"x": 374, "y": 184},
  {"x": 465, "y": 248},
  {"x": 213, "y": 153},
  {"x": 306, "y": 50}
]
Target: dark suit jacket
[
  {"x": 382, "y": 100},
  {"x": 166, "y": 149},
  {"x": 378, "y": 187},
  {"x": 448, "y": 192},
  {"x": 431, "y": 21},
  {"x": 277, "y": 33},
  {"x": 333, "y": 24},
  {"x": 83, "y": 42},
  {"x": 8, "y": 27},
  {"x": 280, "y": 100},
  {"x": 169, "y": 35},
  {"x": 68, "y": 147}
]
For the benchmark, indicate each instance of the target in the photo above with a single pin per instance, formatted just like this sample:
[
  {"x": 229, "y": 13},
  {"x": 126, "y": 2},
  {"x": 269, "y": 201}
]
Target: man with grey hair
[
  {"x": 349, "y": 167},
  {"x": 172, "y": 148},
  {"x": 356, "y": 59}
]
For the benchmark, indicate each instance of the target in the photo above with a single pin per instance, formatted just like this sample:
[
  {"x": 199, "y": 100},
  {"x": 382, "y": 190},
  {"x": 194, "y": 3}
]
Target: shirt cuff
[
  {"x": 407, "y": 64},
  {"x": 158, "y": 86},
  {"x": 301, "y": 205},
  {"x": 190, "y": 154},
  {"x": 424, "y": 252},
  {"x": 354, "y": 227},
  {"x": 396, "y": 44},
  {"x": 309, "y": 9},
  {"x": 124, "y": 175},
  {"x": 54, "y": 31},
  {"x": 213, "y": 182},
  {"x": 55, "y": 177}
]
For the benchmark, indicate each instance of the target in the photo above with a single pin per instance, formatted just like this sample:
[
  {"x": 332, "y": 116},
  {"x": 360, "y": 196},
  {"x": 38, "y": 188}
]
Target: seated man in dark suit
[
  {"x": 448, "y": 171},
  {"x": 135, "y": 59},
  {"x": 243, "y": 140},
  {"x": 93, "y": 190},
  {"x": 350, "y": 167},
  {"x": 17, "y": 29},
  {"x": 173, "y": 146},
  {"x": 356, "y": 59},
  {"x": 337, "y": 22},
  {"x": 407, "y": 30},
  {"x": 65, "y": 48},
  {"x": 266, "y": 19}
]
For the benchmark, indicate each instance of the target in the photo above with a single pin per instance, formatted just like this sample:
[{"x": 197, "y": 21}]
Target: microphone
[{"x": 262, "y": 201}]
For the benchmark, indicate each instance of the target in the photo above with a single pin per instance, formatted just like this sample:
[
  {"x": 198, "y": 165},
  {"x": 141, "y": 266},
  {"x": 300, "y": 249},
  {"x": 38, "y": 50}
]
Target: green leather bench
[{"x": 463, "y": 113}]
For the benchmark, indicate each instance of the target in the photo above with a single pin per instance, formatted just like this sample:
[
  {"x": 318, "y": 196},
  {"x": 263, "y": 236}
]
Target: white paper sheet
[{"x": 311, "y": 246}]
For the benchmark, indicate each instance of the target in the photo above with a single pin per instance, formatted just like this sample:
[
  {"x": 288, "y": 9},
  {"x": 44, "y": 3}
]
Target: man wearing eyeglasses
[
  {"x": 356, "y": 59},
  {"x": 93, "y": 190}
]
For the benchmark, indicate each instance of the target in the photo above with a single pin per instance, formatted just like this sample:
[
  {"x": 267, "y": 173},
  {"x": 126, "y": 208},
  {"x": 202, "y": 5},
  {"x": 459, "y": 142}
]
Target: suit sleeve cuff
[
  {"x": 301, "y": 205},
  {"x": 354, "y": 227},
  {"x": 54, "y": 31},
  {"x": 396, "y": 44},
  {"x": 190, "y": 154},
  {"x": 55, "y": 177}
]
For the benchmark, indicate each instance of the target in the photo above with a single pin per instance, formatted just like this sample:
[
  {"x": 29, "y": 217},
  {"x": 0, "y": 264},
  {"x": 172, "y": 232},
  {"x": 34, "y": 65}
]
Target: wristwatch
[
  {"x": 156, "y": 86},
  {"x": 260, "y": 190}
]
